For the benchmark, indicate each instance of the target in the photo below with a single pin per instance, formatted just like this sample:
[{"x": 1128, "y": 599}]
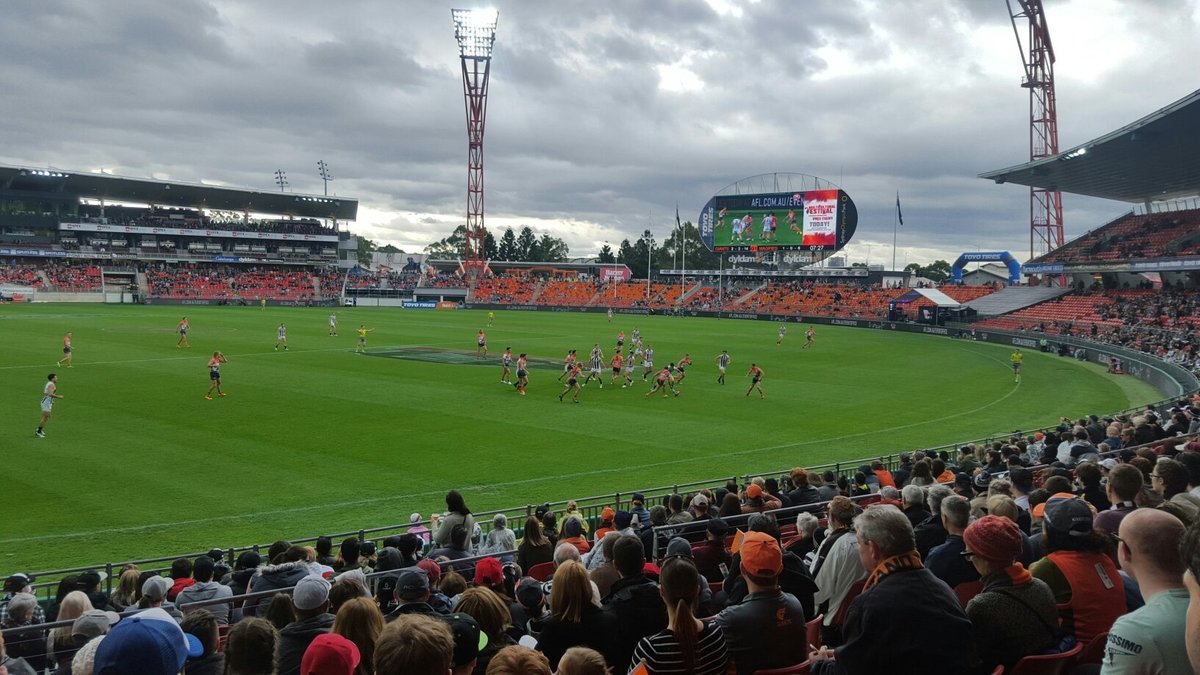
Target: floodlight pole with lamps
[
  {"x": 475, "y": 31},
  {"x": 281, "y": 179},
  {"x": 326, "y": 176}
]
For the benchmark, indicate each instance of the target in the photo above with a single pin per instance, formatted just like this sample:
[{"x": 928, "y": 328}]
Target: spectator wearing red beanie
[{"x": 1015, "y": 614}]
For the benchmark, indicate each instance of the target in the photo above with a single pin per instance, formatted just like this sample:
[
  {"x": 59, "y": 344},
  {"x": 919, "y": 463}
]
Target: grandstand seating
[
  {"x": 505, "y": 290},
  {"x": 1133, "y": 236},
  {"x": 20, "y": 275},
  {"x": 564, "y": 292},
  {"x": 220, "y": 283},
  {"x": 74, "y": 278}
]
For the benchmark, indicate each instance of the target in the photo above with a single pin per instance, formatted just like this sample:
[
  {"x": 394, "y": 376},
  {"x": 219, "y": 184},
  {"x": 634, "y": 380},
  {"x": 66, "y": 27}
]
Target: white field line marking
[{"x": 526, "y": 481}]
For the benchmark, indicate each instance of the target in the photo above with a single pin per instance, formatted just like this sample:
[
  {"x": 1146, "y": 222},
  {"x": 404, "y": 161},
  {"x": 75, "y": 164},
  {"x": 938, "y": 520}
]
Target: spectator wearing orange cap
[
  {"x": 905, "y": 615},
  {"x": 759, "y": 500},
  {"x": 1014, "y": 615},
  {"x": 762, "y": 631},
  {"x": 606, "y": 524}
]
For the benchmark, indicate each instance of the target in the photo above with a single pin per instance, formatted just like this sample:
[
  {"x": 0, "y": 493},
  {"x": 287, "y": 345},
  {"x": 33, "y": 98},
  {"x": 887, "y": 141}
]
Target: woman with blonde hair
[
  {"x": 582, "y": 661},
  {"x": 129, "y": 590},
  {"x": 494, "y": 619},
  {"x": 360, "y": 621},
  {"x": 59, "y": 643},
  {"x": 575, "y": 621}
]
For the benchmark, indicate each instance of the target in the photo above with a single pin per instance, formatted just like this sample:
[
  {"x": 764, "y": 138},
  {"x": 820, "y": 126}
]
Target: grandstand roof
[
  {"x": 174, "y": 193},
  {"x": 1156, "y": 158}
]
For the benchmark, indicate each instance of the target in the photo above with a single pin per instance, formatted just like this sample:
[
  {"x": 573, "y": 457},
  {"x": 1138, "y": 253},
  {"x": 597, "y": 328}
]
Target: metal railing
[{"x": 590, "y": 506}]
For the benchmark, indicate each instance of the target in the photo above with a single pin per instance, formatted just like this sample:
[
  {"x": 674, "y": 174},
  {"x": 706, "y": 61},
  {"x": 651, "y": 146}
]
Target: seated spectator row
[{"x": 1154, "y": 235}]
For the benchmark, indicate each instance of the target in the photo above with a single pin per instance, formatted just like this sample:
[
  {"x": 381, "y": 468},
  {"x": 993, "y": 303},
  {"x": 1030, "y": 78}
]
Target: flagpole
[
  {"x": 895, "y": 219},
  {"x": 649, "y": 248}
]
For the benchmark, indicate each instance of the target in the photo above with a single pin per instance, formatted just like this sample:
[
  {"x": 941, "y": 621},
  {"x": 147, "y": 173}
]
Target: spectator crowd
[{"x": 1079, "y": 544}]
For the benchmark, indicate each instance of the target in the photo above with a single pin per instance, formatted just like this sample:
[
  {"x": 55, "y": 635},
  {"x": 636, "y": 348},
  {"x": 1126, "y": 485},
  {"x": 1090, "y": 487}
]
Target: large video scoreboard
[{"x": 817, "y": 221}]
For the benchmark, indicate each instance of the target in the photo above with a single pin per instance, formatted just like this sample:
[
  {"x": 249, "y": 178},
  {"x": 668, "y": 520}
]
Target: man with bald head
[{"x": 1150, "y": 639}]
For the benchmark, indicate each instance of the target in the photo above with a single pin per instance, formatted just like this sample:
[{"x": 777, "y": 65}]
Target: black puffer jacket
[
  {"x": 271, "y": 578},
  {"x": 639, "y": 610}
]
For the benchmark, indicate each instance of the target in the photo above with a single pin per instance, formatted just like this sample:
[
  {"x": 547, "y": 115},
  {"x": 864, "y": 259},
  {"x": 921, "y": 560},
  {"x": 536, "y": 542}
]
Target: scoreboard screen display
[{"x": 818, "y": 221}]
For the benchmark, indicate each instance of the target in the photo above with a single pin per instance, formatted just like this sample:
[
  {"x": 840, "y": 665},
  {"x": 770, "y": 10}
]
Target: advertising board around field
[
  {"x": 419, "y": 304},
  {"x": 814, "y": 223}
]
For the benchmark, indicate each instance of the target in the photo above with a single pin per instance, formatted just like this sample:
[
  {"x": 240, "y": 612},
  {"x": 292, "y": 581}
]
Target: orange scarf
[{"x": 904, "y": 561}]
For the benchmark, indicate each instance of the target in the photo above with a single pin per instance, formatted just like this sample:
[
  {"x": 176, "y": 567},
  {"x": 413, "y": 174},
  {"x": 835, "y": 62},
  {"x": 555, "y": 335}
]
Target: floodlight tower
[
  {"x": 475, "y": 30},
  {"x": 1037, "y": 54}
]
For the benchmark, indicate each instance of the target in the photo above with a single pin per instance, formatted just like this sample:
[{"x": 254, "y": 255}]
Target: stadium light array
[
  {"x": 47, "y": 174},
  {"x": 475, "y": 30}
]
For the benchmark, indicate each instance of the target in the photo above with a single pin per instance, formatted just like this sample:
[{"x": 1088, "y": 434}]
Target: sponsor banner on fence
[
  {"x": 419, "y": 304},
  {"x": 446, "y": 304}
]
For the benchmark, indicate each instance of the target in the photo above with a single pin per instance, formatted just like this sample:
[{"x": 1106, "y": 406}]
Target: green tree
[
  {"x": 489, "y": 246},
  {"x": 508, "y": 246},
  {"x": 552, "y": 249},
  {"x": 526, "y": 245},
  {"x": 606, "y": 255},
  {"x": 634, "y": 256},
  {"x": 696, "y": 254},
  {"x": 365, "y": 248},
  {"x": 915, "y": 268},
  {"x": 937, "y": 271},
  {"x": 449, "y": 248}
]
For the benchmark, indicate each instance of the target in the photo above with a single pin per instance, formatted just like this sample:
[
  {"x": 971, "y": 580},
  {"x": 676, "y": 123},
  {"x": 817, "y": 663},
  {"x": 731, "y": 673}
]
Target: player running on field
[
  {"x": 49, "y": 393},
  {"x": 522, "y": 374},
  {"x": 68, "y": 352},
  {"x": 663, "y": 380},
  {"x": 620, "y": 340},
  {"x": 636, "y": 336},
  {"x": 1017, "y": 359},
  {"x": 333, "y": 325},
  {"x": 362, "y": 337},
  {"x": 808, "y": 337},
  {"x": 491, "y": 319},
  {"x": 568, "y": 364},
  {"x": 596, "y": 367},
  {"x": 506, "y": 360},
  {"x": 647, "y": 362},
  {"x": 610, "y": 314},
  {"x": 722, "y": 365},
  {"x": 214, "y": 374},
  {"x": 572, "y": 384},
  {"x": 756, "y": 376},
  {"x": 480, "y": 344},
  {"x": 630, "y": 364},
  {"x": 617, "y": 361},
  {"x": 281, "y": 337},
  {"x": 782, "y": 332},
  {"x": 682, "y": 368},
  {"x": 183, "y": 329}
]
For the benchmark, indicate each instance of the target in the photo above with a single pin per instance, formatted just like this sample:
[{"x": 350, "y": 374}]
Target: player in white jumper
[{"x": 49, "y": 393}]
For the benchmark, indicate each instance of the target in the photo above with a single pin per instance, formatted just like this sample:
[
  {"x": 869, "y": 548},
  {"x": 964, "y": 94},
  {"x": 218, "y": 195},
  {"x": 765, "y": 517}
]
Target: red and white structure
[
  {"x": 475, "y": 30},
  {"x": 1037, "y": 54}
]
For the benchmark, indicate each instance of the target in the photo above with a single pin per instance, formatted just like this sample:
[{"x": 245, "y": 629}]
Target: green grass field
[{"x": 320, "y": 439}]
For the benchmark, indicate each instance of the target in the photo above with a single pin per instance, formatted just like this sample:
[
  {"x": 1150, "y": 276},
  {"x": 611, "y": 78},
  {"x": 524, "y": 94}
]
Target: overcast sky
[{"x": 602, "y": 116}]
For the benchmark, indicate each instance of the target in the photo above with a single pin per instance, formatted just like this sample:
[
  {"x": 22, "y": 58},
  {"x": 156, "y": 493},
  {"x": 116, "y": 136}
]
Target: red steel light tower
[
  {"x": 1045, "y": 206},
  {"x": 475, "y": 30}
]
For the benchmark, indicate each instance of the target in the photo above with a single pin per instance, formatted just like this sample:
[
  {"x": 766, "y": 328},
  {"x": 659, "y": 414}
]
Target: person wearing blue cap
[{"x": 147, "y": 643}]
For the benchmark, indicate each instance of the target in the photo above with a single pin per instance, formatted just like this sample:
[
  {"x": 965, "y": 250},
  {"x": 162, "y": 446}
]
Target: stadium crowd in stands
[{"x": 1079, "y": 543}]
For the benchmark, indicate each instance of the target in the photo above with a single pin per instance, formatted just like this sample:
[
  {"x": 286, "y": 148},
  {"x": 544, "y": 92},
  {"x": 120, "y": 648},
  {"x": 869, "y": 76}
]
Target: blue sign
[{"x": 418, "y": 304}]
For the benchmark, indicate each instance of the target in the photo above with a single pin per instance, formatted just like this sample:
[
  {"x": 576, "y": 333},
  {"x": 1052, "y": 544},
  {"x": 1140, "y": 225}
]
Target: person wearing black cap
[
  {"x": 412, "y": 594},
  {"x": 469, "y": 640},
  {"x": 713, "y": 555},
  {"x": 900, "y": 475},
  {"x": 1087, "y": 587}
]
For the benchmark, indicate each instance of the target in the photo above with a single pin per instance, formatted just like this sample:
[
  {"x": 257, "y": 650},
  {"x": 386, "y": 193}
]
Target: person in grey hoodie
[
  {"x": 311, "y": 601},
  {"x": 205, "y": 589},
  {"x": 292, "y": 566}
]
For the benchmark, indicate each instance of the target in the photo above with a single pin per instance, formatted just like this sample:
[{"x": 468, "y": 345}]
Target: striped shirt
[{"x": 662, "y": 654}]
